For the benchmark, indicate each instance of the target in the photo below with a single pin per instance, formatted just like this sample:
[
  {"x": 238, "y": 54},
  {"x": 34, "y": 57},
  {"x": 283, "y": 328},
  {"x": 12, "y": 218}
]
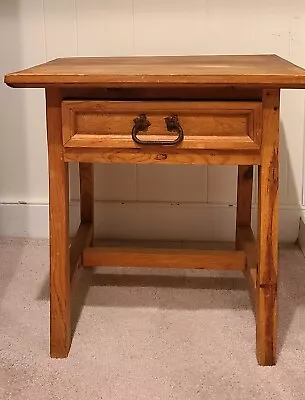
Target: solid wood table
[{"x": 164, "y": 110}]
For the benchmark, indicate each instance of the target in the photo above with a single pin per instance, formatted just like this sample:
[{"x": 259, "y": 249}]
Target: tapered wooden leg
[
  {"x": 244, "y": 199},
  {"x": 86, "y": 177},
  {"x": 60, "y": 325},
  {"x": 244, "y": 236},
  {"x": 266, "y": 290},
  {"x": 84, "y": 235}
]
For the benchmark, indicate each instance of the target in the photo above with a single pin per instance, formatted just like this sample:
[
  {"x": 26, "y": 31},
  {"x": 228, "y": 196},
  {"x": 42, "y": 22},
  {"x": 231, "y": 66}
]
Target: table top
[{"x": 223, "y": 70}]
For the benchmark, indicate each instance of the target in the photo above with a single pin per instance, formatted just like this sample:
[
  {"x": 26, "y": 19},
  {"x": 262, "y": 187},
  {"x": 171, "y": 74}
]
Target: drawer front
[{"x": 197, "y": 124}]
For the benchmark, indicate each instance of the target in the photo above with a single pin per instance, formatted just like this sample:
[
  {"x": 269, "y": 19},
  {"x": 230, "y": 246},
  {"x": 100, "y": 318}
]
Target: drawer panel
[{"x": 205, "y": 125}]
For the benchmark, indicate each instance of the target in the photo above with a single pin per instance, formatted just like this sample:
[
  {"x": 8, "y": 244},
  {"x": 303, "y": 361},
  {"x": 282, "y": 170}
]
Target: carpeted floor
[{"x": 146, "y": 334}]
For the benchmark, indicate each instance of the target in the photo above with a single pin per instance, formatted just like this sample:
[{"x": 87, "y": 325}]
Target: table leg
[
  {"x": 245, "y": 239},
  {"x": 266, "y": 290},
  {"x": 86, "y": 178},
  {"x": 244, "y": 199},
  {"x": 60, "y": 324}
]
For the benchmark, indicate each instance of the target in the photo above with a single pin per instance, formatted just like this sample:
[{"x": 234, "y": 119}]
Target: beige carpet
[{"x": 146, "y": 334}]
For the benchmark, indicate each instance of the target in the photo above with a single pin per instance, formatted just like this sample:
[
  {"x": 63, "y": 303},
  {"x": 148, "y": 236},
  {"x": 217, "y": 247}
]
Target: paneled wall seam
[
  {"x": 76, "y": 25},
  {"x": 133, "y": 28},
  {"x": 120, "y": 27},
  {"x": 44, "y": 30}
]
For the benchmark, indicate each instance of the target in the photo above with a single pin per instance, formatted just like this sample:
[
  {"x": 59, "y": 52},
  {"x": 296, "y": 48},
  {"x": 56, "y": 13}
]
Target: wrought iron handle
[{"x": 141, "y": 124}]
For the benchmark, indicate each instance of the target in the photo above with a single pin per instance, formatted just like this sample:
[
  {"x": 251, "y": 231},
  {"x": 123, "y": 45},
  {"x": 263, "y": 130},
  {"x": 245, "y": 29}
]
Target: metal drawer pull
[{"x": 141, "y": 124}]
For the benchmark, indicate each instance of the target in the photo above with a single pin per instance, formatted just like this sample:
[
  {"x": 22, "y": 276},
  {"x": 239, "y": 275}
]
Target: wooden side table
[{"x": 164, "y": 110}]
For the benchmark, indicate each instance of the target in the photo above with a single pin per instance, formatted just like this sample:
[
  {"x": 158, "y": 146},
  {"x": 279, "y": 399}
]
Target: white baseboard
[
  {"x": 145, "y": 220},
  {"x": 27, "y": 220}
]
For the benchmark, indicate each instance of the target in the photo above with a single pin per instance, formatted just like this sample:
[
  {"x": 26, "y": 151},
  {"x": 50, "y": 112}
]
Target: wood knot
[{"x": 161, "y": 156}]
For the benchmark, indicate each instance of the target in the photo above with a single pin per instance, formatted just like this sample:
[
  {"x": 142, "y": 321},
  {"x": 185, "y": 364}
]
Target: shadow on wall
[
  {"x": 292, "y": 131},
  {"x": 13, "y": 165}
]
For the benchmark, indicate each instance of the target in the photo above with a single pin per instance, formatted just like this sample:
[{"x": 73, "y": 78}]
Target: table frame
[{"x": 257, "y": 259}]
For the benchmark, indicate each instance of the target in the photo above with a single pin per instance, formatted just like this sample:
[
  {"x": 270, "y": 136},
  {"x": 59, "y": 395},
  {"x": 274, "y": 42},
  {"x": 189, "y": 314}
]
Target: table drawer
[{"x": 229, "y": 125}]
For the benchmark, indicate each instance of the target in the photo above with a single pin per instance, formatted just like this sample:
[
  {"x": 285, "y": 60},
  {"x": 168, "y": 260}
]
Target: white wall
[{"x": 33, "y": 31}]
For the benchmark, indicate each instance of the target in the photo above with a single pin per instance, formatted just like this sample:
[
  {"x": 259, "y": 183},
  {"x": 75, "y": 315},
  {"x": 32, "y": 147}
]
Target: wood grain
[
  {"x": 206, "y": 125},
  {"x": 234, "y": 132},
  {"x": 188, "y": 143},
  {"x": 268, "y": 231},
  {"x": 244, "y": 236},
  {"x": 266, "y": 322},
  {"x": 259, "y": 70},
  {"x": 60, "y": 324},
  {"x": 156, "y": 257},
  {"x": 163, "y": 155}
]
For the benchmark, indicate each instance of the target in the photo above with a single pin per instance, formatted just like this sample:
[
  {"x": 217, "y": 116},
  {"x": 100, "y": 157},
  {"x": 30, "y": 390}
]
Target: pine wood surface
[{"x": 260, "y": 70}]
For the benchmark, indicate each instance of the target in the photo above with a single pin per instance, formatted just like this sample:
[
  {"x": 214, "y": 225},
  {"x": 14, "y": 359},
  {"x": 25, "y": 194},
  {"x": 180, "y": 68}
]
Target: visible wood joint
[
  {"x": 267, "y": 286},
  {"x": 247, "y": 243},
  {"x": 81, "y": 240}
]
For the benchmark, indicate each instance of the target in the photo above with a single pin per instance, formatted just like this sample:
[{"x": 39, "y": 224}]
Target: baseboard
[{"x": 145, "y": 220}]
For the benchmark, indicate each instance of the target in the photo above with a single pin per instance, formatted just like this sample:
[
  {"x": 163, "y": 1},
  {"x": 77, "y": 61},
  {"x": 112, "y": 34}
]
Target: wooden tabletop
[{"x": 259, "y": 70}]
